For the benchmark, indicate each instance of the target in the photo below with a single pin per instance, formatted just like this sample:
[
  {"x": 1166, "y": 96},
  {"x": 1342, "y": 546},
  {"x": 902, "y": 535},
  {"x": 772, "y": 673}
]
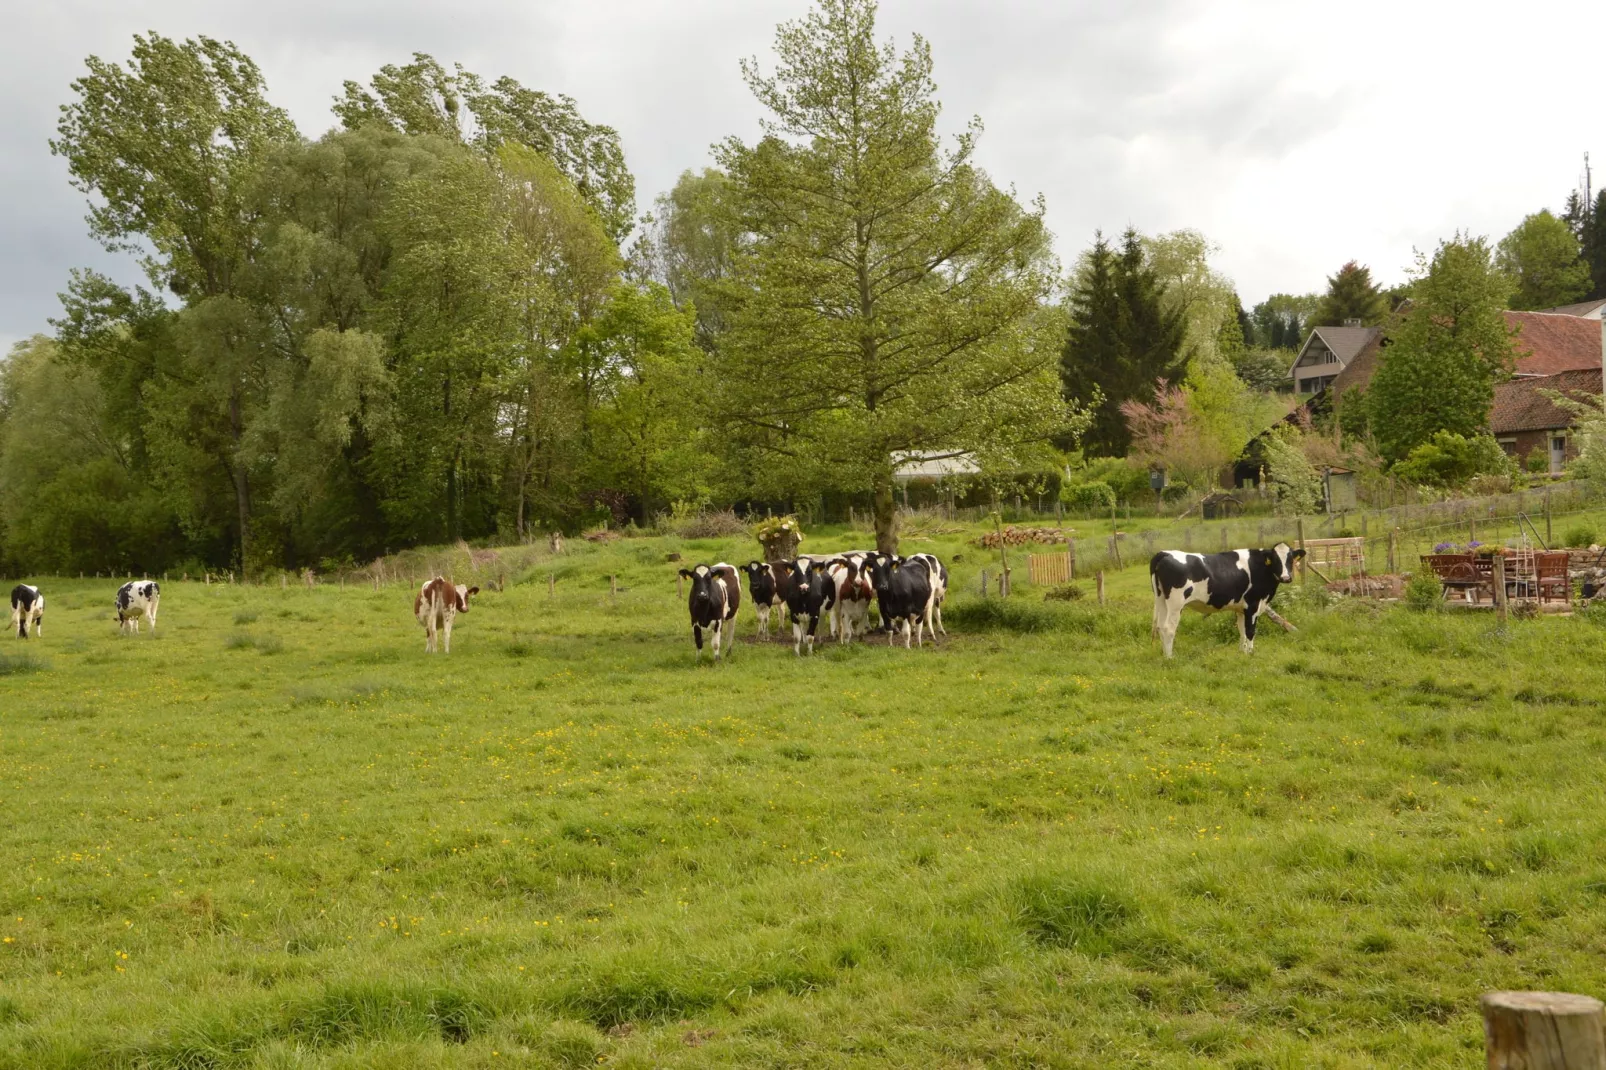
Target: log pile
[{"x": 1013, "y": 536}]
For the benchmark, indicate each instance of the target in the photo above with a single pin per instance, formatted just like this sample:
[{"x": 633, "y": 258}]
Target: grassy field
[{"x": 278, "y": 835}]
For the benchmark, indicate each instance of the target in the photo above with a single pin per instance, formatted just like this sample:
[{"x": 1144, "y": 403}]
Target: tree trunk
[{"x": 886, "y": 516}]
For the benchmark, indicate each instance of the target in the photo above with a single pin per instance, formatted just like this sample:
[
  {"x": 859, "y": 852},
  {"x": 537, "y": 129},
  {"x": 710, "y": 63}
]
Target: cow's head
[
  {"x": 754, "y": 570},
  {"x": 1280, "y": 559},
  {"x": 878, "y": 569},
  {"x": 463, "y": 595},
  {"x": 701, "y": 578},
  {"x": 848, "y": 564}
]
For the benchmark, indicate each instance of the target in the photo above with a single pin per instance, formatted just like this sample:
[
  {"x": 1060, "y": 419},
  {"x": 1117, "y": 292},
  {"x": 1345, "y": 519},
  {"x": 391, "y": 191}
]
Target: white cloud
[{"x": 1295, "y": 135}]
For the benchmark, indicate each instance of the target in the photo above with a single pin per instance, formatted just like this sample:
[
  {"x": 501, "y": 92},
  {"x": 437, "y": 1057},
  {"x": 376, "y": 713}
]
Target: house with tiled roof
[
  {"x": 1326, "y": 353},
  {"x": 1526, "y": 420},
  {"x": 1589, "y": 310}
]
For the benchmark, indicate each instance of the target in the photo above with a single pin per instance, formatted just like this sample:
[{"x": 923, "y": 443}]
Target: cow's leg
[
  {"x": 763, "y": 622},
  {"x": 814, "y": 624},
  {"x": 150, "y": 614},
  {"x": 936, "y": 614},
  {"x": 1246, "y": 627},
  {"x": 1168, "y": 627},
  {"x": 451, "y": 615},
  {"x": 797, "y": 635},
  {"x": 1161, "y": 609},
  {"x": 1244, "y": 642},
  {"x": 697, "y": 638},
  {"x": 19, "y": 622},
  {"x": 39, "y": 626}
]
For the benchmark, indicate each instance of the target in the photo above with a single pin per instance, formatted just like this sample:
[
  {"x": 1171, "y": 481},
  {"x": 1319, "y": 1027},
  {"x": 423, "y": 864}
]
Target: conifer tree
[{"x": 1351, "y": 295}]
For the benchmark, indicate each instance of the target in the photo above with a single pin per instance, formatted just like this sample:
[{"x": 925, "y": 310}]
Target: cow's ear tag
[{"x": 1269, "y": 561}]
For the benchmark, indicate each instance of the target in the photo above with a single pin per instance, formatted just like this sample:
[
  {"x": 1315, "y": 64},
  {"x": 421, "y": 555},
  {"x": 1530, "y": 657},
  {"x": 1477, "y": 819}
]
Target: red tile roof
[
  {"x": 1520, "y": 404},
  {"x": 1548, "y": 343}
]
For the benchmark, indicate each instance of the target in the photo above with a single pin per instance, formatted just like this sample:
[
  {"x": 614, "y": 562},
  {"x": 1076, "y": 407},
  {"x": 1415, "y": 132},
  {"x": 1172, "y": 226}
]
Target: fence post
[
  {"x": 1299, "y": 535},
  {"x": 1548, "y": 538},
  {"x": 1070, "y": 559},
  {"x": 1101, "y": 586},
  {"x": 613, "y": 590},
  {"x": 1394, "y": 545},
  {"x": 1543, "y": 1031},
  {"x": 551, "y": 585},
  {"x": 1500, "y": 587},
  {"x": 984, "y": 584},
  {"x": 680, "y": 585}
]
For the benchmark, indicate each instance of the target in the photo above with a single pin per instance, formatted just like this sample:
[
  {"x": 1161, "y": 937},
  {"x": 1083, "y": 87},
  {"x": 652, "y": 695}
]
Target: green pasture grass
[{"x": 277, "y": 834}]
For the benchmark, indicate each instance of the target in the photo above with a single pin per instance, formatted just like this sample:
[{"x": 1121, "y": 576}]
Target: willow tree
[{"x": 890, "y": 299}]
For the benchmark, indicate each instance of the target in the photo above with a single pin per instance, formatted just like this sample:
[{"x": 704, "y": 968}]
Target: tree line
[{"x": 444, "y": 319}]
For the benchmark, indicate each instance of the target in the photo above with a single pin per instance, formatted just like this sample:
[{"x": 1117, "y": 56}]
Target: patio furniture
[
  {"x": 1554, "y": 584},
  {"x": 1456, "y": 572}
]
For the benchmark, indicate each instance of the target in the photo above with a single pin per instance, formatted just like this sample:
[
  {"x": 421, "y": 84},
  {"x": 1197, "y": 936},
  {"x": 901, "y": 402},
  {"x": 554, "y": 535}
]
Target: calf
[
  {"x": 853, "y": 596},
  {"x": 716, "y": 594},
  {"x": 438, "y": 603},
  {"x": 939, "y": 589},
  {"x": 904, "y": 594},
  {"x": 763, "y": 586},
  {"x": 27, "y": 607},
  {"x": 809, "y": 593},
  {"x": 134, "y": 598},
  {"x": 1244, "y": 581}
]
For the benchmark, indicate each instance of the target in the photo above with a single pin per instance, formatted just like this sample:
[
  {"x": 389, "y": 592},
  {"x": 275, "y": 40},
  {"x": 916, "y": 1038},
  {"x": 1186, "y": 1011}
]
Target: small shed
[
  {"x": 1338, "y": 488},
  {"x": 1220, "y": 506}
]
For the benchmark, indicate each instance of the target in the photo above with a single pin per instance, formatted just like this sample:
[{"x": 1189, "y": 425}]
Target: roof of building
[
  {"x": 1588, "y": 309},
  {"x": 935, "y": 466},
  {"x": 1343, "y": 342},
  {"x": 1358, "y": 372},
  {"x": 1521, "y": 404},
  {"x": 1550, "y": 342}
]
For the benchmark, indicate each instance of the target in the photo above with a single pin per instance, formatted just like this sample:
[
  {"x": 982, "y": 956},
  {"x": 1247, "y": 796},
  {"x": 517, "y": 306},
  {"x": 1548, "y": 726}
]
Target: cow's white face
[{"x": 1285, "y": 557}]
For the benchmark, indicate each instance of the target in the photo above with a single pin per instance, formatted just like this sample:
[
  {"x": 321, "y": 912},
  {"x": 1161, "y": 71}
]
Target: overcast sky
[{"x": 1296, "y": 135}]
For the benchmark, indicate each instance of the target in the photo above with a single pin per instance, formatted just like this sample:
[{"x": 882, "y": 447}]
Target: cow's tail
[{"x": 1154, "y": 574}]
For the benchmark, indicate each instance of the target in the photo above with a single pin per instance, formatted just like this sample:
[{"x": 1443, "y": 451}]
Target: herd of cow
[{"x": 908, "y": 592}]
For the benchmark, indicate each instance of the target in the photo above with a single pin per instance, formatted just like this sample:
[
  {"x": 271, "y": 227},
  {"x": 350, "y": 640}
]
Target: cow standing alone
[
  {"x": 27, "y": 606},
  {"x": 1244, "y": 581},
  {"x": 716, "y": 595},
  {"x": 136, "y": 598},
  {"x": 438, "y": 603}
]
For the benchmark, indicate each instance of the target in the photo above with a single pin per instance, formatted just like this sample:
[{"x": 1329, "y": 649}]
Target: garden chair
[
  {"x": 1456, "y": 572},
  {"x": 1553, "y": 581}
]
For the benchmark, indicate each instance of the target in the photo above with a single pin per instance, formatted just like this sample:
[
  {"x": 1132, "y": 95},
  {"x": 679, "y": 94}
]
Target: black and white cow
[
  {"x": 134, "y": 598},
  {"x": 763, "y": 586},
  {"x": 904, "y": 594},
  {"x": 716, "y": 594},
  {"x": 1244, "y": 581},
  {"x": 810, "y": 592},
  {"x": 939, "y": 589},
  {"x": 27, "y": 607}
]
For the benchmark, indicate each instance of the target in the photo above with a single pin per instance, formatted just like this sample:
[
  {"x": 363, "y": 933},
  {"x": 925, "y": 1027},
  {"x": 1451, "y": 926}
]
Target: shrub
[
  {"x": 707, "y": 525},
  {"x": 1424, "y": 593},
  {"x": 1451, "y": 460},
  {"x": 1094, "y": 497},
  {"x": 1579, "y": 535},
  {"x": 1536, "y": 462},
  {"x": 1065, "y": 592}
]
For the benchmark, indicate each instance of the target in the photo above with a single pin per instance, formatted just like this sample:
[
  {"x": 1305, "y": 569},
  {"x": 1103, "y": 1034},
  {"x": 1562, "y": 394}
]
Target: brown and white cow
[
  {"x": 850, "y": 615},
  {"x": 438, "y": 603},
  {"x": 716, "y": 594}
]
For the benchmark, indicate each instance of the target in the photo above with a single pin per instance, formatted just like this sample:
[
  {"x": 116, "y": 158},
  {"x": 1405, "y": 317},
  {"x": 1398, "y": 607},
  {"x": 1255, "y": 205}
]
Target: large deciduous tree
[
  {"x": 1541, "y": 255},
  {"x": 1443, "y": 359},
  {"x": 423, "y": 97},
  {"x": 891, "y": 300},
  {"x": 1351, "y": 295}
]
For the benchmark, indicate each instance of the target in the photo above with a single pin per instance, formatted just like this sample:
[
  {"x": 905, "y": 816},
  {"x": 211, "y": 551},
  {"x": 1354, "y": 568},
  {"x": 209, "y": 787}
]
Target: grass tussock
[{"x": 21, "y": 664}]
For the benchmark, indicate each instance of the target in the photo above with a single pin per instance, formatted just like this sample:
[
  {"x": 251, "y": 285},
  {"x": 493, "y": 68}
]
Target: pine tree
[
  {"x": 1351, "y": 295},
  {"x": 1122, "y": 341}
]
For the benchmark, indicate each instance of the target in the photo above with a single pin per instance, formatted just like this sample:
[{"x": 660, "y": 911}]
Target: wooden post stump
[
  {"x": 1500, "y": 587},
  {"x": 1101, "y": 586},
  {"x": 1543, "y": 1031},
  {"x": 1299, "y": 533},
  {"x": 551, "y": 585},
  {"x": 984, "y": 583}
]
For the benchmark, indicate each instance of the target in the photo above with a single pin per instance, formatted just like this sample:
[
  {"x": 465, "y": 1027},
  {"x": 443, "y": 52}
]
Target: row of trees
[{"x": 422, "y": 326}]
